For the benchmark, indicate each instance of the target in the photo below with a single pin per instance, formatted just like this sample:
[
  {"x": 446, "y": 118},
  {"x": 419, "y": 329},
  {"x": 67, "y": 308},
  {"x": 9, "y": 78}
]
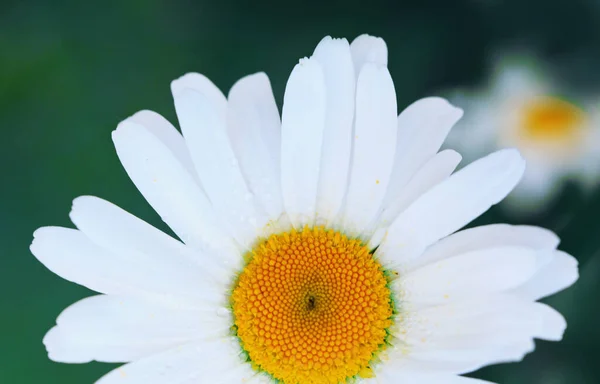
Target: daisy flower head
[
  {"x": 322, "y": 247},
  {"x": 524, "y": 108}
]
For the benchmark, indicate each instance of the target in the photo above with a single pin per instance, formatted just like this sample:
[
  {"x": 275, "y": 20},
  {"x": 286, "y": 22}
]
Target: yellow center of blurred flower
[
  {"x": 551, "y": 120},
  {"x": 312, "y": 306}
]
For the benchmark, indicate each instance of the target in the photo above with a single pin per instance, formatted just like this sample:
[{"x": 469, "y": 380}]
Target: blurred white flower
[{"x": 523, "y": 107}]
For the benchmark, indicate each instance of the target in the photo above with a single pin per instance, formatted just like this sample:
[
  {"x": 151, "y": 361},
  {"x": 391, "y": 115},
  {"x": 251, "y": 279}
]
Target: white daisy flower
[
  {"x": 319, "y": 248},
  {"x": 523, "y": 108}
]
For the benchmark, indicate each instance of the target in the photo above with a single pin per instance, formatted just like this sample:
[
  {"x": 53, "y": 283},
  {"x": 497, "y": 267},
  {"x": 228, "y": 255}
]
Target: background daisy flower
[
  {"x": 322, "y": 247},
  {"x": 524, "y": 107}
]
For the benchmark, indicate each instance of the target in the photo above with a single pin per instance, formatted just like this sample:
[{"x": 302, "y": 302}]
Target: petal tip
[
  {"x": 329, "y": 42},
  {"x": 186, "y": 80},
  {"x": 249, "y": 83},
  {"x": 39, "y": 236},
  {"x": 79, "y": 203},
  {"x": 58, "y": 348},
  {"x": 367, "y": 48}
]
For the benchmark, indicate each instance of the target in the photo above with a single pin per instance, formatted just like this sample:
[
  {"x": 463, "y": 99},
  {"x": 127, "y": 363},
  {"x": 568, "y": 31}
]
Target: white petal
[
  {"x": 203, "y": 85},
  {"x": 168, "y": 134},
  {"x": 433, "y": 172},
  {"x": 452, "y": 204},
  {"x": 468, "y": 275},
  {"x": 368, "y": 49},
  {"x": 450, "y": 362},
  {"x": 394, "y": 376},
  {"x": 121, "y": 329},
  {"x": 123, "y": 234},
  {"x": 205, "y": 132},
  {"x": 169, "y": 188},
  {"x": 211, "y": 362},
  {"x": 474, "y": 323},
  {"x": 460, "y": 362},
  {"x": 463, "y": 336},
  {"x": 487, "y": 236},
  {"x": 560, "y": 273},
  {"x": 303, "y": 124},
  {"x": 254, "y": 129},
  {"x": 554, "y": 324},
  {"x": 71, "y": 255},
  {"x": 391, "y": 373},
  {"x": 373, "y": 147},
  {"x": 422, "y": 128},
  {"x": 336, "y": 61}
]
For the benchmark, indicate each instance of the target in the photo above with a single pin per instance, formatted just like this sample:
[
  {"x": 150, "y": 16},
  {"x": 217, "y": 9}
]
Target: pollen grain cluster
[{"x": 312, "y": 306}]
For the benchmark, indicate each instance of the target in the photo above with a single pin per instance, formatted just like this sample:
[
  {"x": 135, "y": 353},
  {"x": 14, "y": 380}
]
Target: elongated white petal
[
  {"x": 216, "y": 361},
  {"x": 559, "y": 273},
  {"x": 553, "y": 323},
  {"x": 434, "y": 171},
  {"x": 487, "y": 236},
  {"x": 74, "y": 257},
  {"x": 457, "y": 361},
  {"x": 121, "y": 329},
  {"x": 465, "y": 336},
  {"x": 368, "y": 49},
  {"x": 336, "y": 61},
  {"x": 205, "y": 132},
  {"x": 482, "y": 322},
  {"x": 169, "y": 188},
  {"x": 373, "y": 147},
  {"x": 303, "y": 125},
  {"x": 422, "y": 128},
  {"x": 452, "y": 204},
  {"x": 203, "y": 85},
  {"x": 123, "y": 234},
  {"x": 392, "y": 374},
  {"x": 168, "y": 134},
  {"x": 462, "y": 336},
  {"x": 254, "y": 129},
  {"x": 470, "y": 274}
]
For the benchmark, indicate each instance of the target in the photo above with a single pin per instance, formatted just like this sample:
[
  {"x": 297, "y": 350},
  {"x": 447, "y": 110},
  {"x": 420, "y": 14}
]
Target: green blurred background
[{"x": 71, "y": 70}]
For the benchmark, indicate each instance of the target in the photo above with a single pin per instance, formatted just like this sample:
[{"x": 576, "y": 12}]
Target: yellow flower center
[
  {"x": 551, "y": 120},
  {"x": 312, "y": 306}
]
